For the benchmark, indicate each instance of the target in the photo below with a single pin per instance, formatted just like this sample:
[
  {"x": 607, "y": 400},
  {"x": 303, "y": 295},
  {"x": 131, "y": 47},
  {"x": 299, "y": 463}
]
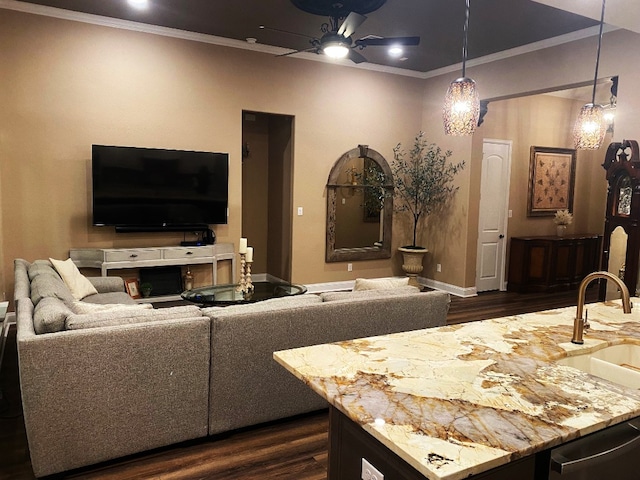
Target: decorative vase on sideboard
[
  {"x": 412, "y": 263},
  {"x": 561, "y": 230}
]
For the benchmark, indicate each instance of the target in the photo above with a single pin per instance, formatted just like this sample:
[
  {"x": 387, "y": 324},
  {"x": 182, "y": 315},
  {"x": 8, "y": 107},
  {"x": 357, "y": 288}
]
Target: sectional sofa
[{"x": 104, "y": 377}]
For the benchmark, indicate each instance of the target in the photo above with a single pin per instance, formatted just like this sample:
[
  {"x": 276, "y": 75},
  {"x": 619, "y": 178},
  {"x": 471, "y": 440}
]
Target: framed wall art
[{"x": 552, "y": 178}]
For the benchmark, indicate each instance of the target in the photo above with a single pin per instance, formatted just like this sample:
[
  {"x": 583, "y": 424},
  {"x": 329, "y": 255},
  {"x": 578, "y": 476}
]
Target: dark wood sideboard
[{"x": 550, "y": 264}]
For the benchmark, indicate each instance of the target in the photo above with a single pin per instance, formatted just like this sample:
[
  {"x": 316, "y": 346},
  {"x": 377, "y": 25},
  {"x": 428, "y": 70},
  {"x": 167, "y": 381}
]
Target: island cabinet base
[{"x": 349, "y": 444}]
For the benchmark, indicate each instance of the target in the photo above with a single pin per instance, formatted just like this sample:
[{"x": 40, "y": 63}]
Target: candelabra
[
  {"x": 245, "y": 286},
  {"x": 242, "y": 286}
]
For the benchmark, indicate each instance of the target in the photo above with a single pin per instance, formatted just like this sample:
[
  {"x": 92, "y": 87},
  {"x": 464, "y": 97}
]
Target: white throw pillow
[
  {"x": 79, "y": 285},
  {"x": 380, "y": 283}
]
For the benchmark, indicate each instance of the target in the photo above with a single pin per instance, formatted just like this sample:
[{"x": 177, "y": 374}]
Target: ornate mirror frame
[{"x": 334, "y": 254}]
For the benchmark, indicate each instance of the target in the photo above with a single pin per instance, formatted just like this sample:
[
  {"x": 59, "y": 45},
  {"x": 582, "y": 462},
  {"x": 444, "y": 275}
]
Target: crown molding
[{"x": 271, "y": 50}]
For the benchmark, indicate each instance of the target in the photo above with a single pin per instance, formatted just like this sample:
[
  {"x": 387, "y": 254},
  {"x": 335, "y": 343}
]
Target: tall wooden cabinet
[
  {"x": 550, "y": 264},
  {"x": 622, "y": 163}
]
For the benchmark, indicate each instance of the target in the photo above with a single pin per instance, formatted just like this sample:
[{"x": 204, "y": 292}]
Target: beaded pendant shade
[
  {"x": 461, "y": 109},
  {"x": 591, "y": 126}
]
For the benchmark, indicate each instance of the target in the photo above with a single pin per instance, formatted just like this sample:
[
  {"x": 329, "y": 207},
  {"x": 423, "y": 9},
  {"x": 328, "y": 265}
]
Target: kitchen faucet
[{"x": 579, "y": 324}]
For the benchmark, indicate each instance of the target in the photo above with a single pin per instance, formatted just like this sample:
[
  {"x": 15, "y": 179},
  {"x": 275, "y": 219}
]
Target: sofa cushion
[
  {"x": 129, "y": 317},
  {"x": 380, "y": 283},
  {"x": 79, "y": 285},
  {"x": 41, "y": 267},
  {"x": 50, "y": 315},
  {"x": 364, "y": 294},
  {"x": 43, "y": 286},
  {"x": 282, "y": 303},
  {"x": 107, "y": 284},
  {"x": 85, "y": 307},
  {"x": 110, "y": 298}
]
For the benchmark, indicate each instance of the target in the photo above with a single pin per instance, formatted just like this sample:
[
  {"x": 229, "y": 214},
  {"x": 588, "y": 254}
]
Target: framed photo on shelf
[
  {"x": 552, "y": 178},
  {"x": 133, "y": 289}
]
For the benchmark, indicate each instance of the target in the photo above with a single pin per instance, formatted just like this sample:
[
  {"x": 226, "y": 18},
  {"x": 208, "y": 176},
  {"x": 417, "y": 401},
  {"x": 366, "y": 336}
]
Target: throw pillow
[
  {"x": 79, "y": 285},
  {"x": 380, "y": 283},
  {"x": 83, "y": 307}
]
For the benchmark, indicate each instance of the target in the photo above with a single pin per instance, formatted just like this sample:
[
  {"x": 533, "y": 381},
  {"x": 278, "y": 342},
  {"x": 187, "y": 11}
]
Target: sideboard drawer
[
  {"x": 186, "y": 252},
  {"x": 133, "y": 255}
]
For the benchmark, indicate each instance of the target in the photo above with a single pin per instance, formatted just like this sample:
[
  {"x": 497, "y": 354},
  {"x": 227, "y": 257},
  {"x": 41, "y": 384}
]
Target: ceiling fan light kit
[
  {"x": 461, "y": 109},
  {"x": 335, "y": 45},
  {"x": 591, "y": 126},
  {"x": 139, "y": 4},
  {"x": 335, "y": 50}
]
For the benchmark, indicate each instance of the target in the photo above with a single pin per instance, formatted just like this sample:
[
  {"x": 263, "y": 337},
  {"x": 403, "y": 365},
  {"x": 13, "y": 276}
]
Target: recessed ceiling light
[{"x": 139, "y": 4}]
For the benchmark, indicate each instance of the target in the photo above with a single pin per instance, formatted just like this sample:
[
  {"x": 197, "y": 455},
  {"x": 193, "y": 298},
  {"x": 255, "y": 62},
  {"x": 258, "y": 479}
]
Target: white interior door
[{"x": 492, "y": 224}]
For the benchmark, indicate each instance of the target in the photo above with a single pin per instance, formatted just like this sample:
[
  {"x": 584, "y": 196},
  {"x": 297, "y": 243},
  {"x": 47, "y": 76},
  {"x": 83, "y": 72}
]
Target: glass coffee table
[{"x": 228, "y": 295}]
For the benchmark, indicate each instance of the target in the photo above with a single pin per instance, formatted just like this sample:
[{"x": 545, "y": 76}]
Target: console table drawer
[
  {"x": 186, "y": 252},
  {"x": 132, "y": 255}
]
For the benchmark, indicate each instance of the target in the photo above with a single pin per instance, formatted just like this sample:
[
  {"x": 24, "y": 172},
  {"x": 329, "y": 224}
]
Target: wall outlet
[
  {"x": 439, "y": 267},
  {"x": 300, "y": 211},
  {"x": 349, "y": 267},
  {"x": 369, "y": 472}
]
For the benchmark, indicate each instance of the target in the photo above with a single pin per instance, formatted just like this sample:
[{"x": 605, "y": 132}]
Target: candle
[
  {"x": 243, "y": 245},
  {"x": 249, "y": 254}
]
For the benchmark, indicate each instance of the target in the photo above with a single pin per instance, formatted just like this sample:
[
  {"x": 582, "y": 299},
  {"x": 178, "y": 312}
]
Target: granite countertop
[{"x": 459, "y": 400}]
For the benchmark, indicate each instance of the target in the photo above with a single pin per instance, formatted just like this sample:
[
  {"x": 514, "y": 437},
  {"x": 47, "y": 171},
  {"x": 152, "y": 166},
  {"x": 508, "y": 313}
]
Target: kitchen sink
[{"x": 618, "y": 363}]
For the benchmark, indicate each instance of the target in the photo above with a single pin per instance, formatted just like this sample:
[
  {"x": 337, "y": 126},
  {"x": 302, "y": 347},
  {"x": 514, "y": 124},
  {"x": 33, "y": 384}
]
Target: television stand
[{"x": 123, "y": 258}]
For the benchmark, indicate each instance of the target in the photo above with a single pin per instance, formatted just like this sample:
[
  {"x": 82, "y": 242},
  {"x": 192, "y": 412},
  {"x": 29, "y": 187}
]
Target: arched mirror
[{"x": 359, "y": 207}]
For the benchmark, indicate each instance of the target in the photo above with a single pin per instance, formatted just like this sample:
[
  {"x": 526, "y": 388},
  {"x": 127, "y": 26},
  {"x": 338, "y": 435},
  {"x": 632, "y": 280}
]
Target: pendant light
[
  {"x": 462, "y": 102},
  {"x": 591, "y": 126}
]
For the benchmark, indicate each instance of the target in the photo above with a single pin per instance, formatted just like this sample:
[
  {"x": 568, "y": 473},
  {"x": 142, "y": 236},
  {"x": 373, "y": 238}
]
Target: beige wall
[
  {"x": 66, "y": 85},
  {"x": 452, "y": 238}
]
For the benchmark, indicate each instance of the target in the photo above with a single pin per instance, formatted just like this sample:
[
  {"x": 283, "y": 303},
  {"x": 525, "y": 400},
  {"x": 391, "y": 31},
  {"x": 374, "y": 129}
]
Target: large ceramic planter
[{"x": 412, "y": 263}]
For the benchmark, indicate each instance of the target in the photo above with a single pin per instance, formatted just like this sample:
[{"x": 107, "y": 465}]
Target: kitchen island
[{"x": 453, "y": 402}]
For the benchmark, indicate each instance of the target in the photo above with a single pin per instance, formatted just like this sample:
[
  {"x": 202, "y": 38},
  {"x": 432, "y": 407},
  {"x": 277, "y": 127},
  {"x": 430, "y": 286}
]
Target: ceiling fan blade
[
  {"x": 270, "y": 29},
  {"x": 312, "y": 49},
  {"x": 386, "y": 41},
  {"x": 350, "y": 24},
  {"x": 355, "y": 57}
]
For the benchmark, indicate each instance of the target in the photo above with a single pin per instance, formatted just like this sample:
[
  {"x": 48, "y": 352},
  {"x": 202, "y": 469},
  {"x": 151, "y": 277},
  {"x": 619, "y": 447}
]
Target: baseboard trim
[{"x": 447, "y": 287}]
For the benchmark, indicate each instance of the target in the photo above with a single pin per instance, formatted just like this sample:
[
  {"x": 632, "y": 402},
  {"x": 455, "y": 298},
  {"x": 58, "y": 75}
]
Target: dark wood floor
[{"x": 294, "y": 449}]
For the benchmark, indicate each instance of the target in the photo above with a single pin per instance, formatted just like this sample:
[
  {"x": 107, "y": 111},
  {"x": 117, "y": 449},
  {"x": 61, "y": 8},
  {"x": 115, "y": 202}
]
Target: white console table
[{"x": 122, "y": 258}]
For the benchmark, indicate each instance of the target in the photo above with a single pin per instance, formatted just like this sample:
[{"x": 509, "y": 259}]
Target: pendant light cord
[
  {"x": 595, "y": 80},
  {"x": 465, "y": 43}
]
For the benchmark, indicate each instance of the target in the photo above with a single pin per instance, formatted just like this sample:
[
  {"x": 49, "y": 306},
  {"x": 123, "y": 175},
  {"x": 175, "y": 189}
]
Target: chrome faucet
[{"x": 579, "y": 324}]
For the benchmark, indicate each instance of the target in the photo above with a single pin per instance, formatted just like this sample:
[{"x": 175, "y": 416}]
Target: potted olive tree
[{"x": 423, "y": 182}]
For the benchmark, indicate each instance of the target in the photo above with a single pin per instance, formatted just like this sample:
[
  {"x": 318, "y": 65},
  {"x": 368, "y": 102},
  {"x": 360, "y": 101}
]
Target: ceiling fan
[{"x": 336, "y": 41}]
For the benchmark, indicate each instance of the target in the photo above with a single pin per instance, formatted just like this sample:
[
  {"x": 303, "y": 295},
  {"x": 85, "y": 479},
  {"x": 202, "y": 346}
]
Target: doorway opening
[{"x": 267, "y": 192}]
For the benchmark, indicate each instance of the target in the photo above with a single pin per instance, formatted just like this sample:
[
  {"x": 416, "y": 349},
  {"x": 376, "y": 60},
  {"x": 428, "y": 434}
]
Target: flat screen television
[{"x": 150, "y": 189}]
